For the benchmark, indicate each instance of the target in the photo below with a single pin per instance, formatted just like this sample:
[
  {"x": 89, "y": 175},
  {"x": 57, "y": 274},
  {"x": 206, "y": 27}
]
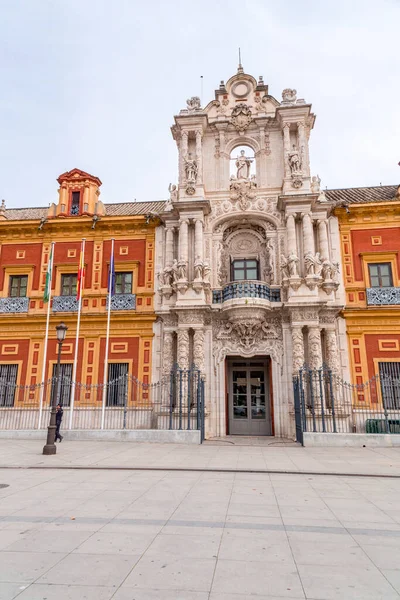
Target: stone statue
[
  {"x": 289, "y": 96},
  {"x": 243, "y": 166},
  {"x": 330, "y": 270},
  {"x": 315, "y": 184},
  {"x": 198, "y": 270},
  {"x": 173, "y": 192},
  {"x": 191, "y": 169},
  {"x": 182, "y": 270},
  {"x": 174, "y": 271},
  {"x": 269, "y": 271},
  {"x": 206, "y": 272},
  {"x": 193, "y": 103},
  {"x": 294, "y": 160},
  {"x": 312, "y": 263},
  {"x": 285, "y": 267},
  {"x": 293, "y": 261}
]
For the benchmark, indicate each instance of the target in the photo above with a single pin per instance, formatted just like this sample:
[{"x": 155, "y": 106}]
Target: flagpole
[
  {"x": 105, "y": 374},
  {"x": 46, "y": 338},
  {"x": 78, "y": 324}
]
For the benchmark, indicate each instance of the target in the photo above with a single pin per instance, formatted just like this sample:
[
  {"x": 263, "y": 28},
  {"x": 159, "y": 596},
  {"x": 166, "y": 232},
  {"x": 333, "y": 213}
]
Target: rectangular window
[
  {"x": 117, "y": 387},
  {"x": 75, "y": 203},
  {"x": 123, "y": 283},
  {"x": 66, "y": 383},
  {"x": 380, "y": 275},
  {"x": 68, "y": 284},
  {"x": 243, "y": 270},
  {"x": 18, "y": 286},
  {"x": 389, "y": 373},
  {"x": 8, "y": 384}
]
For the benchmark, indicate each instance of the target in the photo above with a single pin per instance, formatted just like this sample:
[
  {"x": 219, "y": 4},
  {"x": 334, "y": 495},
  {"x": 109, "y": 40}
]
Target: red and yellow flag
[{"x": 81, "y": 272}]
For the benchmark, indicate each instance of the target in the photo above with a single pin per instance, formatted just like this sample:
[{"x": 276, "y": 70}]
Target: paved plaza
[{"x": 98, "y": 533}]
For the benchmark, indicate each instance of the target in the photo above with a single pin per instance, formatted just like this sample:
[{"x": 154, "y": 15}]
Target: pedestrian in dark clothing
[{"x": 59, "y": 416}]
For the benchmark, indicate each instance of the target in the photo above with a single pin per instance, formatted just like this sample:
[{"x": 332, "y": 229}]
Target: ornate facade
[
  {"x": 26, "y": 235},
  {"x": 248, "y": 283},
  {"x": 369, "y": 221}
]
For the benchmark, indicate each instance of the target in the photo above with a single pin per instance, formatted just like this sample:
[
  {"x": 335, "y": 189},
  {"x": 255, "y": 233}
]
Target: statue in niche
[
  {"x": 285, "y": 267},
  {"x": 243, "y": 165},
  {"x": 206, "y": 272},
  {"x": 313, "y": 263},
  {"x": 294, "y": 161},
  {"x": 191, "y": 169},
  {"x": 330, "y": 270},
  {"x": 174, "y": 271},
  {"x": 198, "y": 269},
  {"x": 292, "y": 261},
  {"x": 182, "y": 269}
]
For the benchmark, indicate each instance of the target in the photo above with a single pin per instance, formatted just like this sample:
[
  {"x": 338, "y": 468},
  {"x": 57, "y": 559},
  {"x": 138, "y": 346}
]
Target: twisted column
[
  {"x": 168, "y": 352},
  {"x": 297, "y": 349},
  {"x": 198, "y": 349},
  {"x": 314, "y": 347}
]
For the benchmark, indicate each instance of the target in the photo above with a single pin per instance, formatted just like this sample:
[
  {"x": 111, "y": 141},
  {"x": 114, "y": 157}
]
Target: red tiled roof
[
  {"x": 381, "y": 193},
  {"x": 112, "y": 210}
]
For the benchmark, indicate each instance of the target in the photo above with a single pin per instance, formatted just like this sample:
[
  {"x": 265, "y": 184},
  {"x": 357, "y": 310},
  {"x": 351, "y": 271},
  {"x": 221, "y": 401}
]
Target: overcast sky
[{"x": 94, "y": 84}]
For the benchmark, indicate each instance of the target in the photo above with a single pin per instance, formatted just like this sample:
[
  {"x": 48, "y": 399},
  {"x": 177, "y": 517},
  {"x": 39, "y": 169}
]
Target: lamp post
[{"x": 50, "y": 447}]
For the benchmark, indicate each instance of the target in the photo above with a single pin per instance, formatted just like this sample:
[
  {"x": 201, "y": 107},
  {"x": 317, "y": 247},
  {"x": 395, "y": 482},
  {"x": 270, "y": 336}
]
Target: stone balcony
[
  {"x": 14, "y": 305},
  {"x": 240, "y": 292},
  {"x": 387, "y": 296}
]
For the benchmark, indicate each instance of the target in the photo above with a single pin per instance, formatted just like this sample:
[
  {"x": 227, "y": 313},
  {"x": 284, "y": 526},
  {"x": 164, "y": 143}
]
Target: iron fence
[
  {"x": 324, "y": 403},
  {"x": 176, "y": 402}
]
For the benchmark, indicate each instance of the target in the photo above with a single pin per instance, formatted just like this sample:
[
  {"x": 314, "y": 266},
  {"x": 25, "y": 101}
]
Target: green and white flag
[{"x": 47, "y": 287}]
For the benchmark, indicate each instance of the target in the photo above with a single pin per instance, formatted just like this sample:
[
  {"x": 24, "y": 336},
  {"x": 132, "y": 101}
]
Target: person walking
[{"x": 59, "y": 416}]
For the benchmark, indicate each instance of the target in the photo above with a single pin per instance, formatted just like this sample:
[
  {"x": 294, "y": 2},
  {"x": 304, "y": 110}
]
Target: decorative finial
[
  {"x": 261, "y": 80},
  {"x": 240, "y": 68},
  {"x": 3, "y": 206}
]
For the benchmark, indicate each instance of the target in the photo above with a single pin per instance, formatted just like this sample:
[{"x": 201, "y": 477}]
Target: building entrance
[{"x": 249, "y": 406}]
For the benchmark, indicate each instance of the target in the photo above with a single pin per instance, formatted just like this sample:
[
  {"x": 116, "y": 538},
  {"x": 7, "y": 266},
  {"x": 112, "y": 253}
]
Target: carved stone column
[
  {"x": 183, "y": 250},
  {"x": 314, "y": 347},
  {"x": 297, "y": 349},
  {"x": 303, "y": 147},
  {"x": 169, "y": 246},
  {"x": 332, "y": 350},
  {"x": 291, "y": 234},
  {"x": 198, "y": 239},
  {"x": 308, "y": 234},
  {"x": 292, "y": 258},
  {"x": 183, "y": 348},
  {"x": 323, "y": 240},
  {"x": 286, "y": 147},
  {"x": 168, "y": 352},
  {"x": 183, "y": 155},
  {"x": 199, "y": 157},
  {"x": 198, "y": 349}
]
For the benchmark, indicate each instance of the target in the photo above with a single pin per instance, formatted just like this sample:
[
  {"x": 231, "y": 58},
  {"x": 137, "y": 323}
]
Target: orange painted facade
[
  {"x": 25, "y": 243},
  {"x": 370, "y": 238}
]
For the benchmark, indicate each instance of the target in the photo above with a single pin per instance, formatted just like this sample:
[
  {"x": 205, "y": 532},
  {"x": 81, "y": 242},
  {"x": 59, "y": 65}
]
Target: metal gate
[{"x": 297, "y": 410}]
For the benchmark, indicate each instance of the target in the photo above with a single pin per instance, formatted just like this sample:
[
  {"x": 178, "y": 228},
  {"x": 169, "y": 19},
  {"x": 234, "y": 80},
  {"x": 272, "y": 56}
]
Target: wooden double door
[{"x": 249, "y": 403}]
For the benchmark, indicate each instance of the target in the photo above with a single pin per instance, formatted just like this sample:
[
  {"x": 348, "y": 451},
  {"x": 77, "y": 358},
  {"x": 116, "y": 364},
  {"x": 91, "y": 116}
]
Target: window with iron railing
[
  {"x": 66, "y": 383},
  {"x": 123, "y": 283},
  {"x": 380, "y": 275},
  {"x": 117, "y": 386},
  {"x": 8, "y": 382},
  {"x": 389, "y": 374},
  {"x": 18, "y": 286},
  {"x": 68, "y": 284}
]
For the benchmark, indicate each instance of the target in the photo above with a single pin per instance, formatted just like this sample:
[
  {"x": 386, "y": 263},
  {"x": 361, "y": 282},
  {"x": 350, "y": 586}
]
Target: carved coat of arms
[{"x": 241, "y": 116}]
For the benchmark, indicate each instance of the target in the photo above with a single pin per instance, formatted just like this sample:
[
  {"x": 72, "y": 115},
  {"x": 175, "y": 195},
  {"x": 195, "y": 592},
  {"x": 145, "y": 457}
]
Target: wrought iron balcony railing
[
  {"x": 123, "y": 302},
  {"x": 383, "y": 295},
  {"x": 14, "y": 305},
  {"x": 65, "y": 304},
  {"x": 246, "y": 289}
]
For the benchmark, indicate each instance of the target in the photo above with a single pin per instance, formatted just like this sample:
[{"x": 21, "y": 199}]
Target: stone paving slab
[
  {"x": 147, "y": 535},
  {"x": 209, "y": 456}
]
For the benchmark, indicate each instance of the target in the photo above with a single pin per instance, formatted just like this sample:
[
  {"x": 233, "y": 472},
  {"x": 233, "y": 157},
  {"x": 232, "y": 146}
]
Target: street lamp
[{"x": 50, "y": 447}]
